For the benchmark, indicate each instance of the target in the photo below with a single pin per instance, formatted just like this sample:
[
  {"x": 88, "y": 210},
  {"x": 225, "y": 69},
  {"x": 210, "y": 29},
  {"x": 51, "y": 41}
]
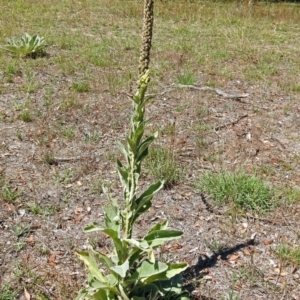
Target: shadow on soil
[{"x": 194, "y": 272}]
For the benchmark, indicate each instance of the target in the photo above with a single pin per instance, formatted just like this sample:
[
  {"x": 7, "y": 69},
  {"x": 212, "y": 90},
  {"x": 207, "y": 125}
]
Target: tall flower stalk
[
  {"x": 147, "y": 36},
  {"x": 131, "y": 271}
]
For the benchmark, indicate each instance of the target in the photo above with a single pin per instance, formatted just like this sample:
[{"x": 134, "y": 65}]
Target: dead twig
[
  {"x": 12, "y": 127},
  {"x": 66, "y": 159},
  {"x": 231, "y": 123},
  {"x": 216, "y": 90}
]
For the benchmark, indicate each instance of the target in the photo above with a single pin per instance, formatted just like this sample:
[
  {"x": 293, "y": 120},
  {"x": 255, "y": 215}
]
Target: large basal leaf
[
  {"x": 141, "y": 244},
  {"x": 121, "y": 269},
  {"x": 100, "y": 295},
  {"x": 158, "y": 237},
  {"x": 91, "y": 265},
  {"x": 172, "y": 288},
  {"x": 148, "y": 269},
  {"x": 82, "y": 294},
  {"x": 103, "y": 258},
  {"x": 150, "y": 292},
  {"x": 172, "y": 272},
  {"x": 175, "y": 268},
  {"x": 105, "y": 294}
]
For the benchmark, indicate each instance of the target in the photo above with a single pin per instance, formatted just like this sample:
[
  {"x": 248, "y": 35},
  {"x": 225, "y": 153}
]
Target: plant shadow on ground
[{"x": 207, "y": 262}]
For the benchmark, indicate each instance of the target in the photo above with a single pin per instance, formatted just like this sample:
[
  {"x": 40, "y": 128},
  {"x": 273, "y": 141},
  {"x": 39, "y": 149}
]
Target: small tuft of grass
[
  {"x": 97, "y": 187},
  {"x": 242, "y": 190},
  {"x": 288, "y": 254},
  {"x": 186, "y": 79},
  {"x": 296, "y": 88},
  {"x": 291, "y": 195},
  {"x": 68, "y": 133},
  {"x": 26, "y": 116},
  {"x": 49, "y": 159},
  {"x": 7, "y": 192},
  {"x": 81, "y": 87},
  {"x": 161, "y": 163},
  {"x": 93, "y": 137},
  {"x": 7, "y": 293},
  {"x": 63, "y": 177},
  {"x": 231, "y": 296}
]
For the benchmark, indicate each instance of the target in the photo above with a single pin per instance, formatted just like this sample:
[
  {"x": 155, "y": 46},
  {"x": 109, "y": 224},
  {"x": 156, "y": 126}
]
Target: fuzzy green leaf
[
  {"x": 151, "y": 290},
  {"x": 112, "y": 217},
  {"x": 123, "y": 150},
  {"x": 82, "y": 294},
  {"x": 132, "y": 145},
  {"x": 93, "y": 227},
  {"x": 145, "y": 144},
  {"x": 121, "y": 269},
  {"x": 92, "y": 266},
  {"x": 159, "y": 226},
  {"x": 148, "y": 269},
  {"x": 175, "y": 268},
  {"x": 139, "y": 132},
  {"x": 158, "y": 237},
  {"x": 123, "y": 173},
  {"x": 104, "y": 259},
  {"x": 144, "y": 201},
  {"x": 101, "y": 294},
  {"x": 117, "y": 242}
]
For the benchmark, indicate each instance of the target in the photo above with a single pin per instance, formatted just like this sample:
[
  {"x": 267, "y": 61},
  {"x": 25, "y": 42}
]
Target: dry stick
[
  {"x": 67, "y": 159},
  {"x": 231, "y": 123},
  {"x": 216, "y": 90},
  {"x": 12, "y": 127}
]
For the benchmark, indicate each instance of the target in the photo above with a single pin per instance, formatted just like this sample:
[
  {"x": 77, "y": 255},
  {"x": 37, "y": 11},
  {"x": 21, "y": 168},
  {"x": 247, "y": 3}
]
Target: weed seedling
[
  {"x": 8, "y": 193},
  {"x": 26, "y": 45},
  {"x": 26, "y": 116},
  {"x": 20, "y": 230}
]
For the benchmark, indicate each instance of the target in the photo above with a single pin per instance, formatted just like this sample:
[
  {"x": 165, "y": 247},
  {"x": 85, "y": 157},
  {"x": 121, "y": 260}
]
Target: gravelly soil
[{"x": 63, "y": 176}]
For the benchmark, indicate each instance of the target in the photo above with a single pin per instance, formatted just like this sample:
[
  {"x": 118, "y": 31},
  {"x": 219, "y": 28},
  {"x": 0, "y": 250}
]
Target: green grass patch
[
  {"x": 186, "y": 79},
  {"x": 81, "y": 87},
  {"x": 288, "y": 254},
  {"x": 7, "y": 293},
  {"x": 7, "y": 192},
  {"x": 162, "y": 164},
  {"x": 243, "y": 191}
]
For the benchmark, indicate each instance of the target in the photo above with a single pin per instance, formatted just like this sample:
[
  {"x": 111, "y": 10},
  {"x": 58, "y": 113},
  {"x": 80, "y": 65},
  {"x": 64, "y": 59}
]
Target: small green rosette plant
[
  {"x": 26, "y": 45},
  {"x": 131, "y": 270}
]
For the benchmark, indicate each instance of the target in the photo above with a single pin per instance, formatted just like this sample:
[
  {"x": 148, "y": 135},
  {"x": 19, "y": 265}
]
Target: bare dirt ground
[
  {"x": 58, "y": 145},
  {"x": 260, "y": 131}
]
